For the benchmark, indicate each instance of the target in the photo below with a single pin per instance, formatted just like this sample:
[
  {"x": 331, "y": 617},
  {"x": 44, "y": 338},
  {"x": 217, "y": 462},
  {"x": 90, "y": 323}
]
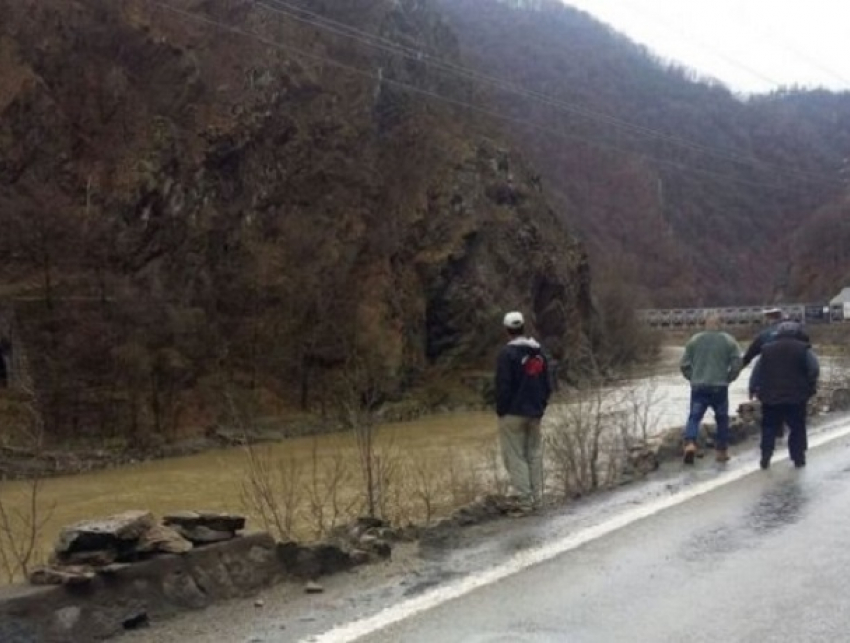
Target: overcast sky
[{"x": 751, "y": 46}]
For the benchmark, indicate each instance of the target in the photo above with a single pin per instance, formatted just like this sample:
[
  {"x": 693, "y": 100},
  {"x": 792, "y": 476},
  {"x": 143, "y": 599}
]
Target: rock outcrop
[{"x": 212, "y": 201}]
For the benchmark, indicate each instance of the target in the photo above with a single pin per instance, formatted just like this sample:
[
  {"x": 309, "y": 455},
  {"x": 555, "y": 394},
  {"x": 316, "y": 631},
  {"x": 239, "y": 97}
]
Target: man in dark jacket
[
  {"x": 523, "y": 387},
  {"x": 784, "y": 379},
  {"x": 776, "y": 322}
]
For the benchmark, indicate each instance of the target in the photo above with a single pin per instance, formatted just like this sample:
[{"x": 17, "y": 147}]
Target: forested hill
[
  {"x": 690, "y": 194},
  {"x": 211, "y": 207}
]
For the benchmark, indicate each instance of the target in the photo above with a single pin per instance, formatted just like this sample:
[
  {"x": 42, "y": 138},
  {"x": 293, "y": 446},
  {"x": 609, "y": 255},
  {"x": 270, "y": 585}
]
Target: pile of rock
[
  {"x": 362, "y": 541},
  {"x": 108, "y": 544}
]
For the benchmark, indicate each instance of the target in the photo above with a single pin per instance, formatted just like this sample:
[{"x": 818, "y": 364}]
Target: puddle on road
[
  {"x": 778, "y": 507},
  {"x": 712, "y": 543}
]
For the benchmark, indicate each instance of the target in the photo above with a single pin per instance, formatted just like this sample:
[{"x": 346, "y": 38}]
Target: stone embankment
[{"x": 118, "y": 573}]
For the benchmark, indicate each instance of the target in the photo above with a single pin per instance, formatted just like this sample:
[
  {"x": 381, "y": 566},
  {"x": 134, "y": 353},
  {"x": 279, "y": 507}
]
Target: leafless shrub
[
  {"x": 272, "y": 490},
  {"x": 463, "y": 479},
  {"x": 329, "y": 498},
  {"x": 426, "y": 485},
  {"x": 496, "y": 478},
  {"x": 390, "y": 491},
  {"x": 271, "y": 486},
  {"x": 640, "y": 412},
  {"x": 23, "y": 512},
  {"x": 585, "y": 441}
]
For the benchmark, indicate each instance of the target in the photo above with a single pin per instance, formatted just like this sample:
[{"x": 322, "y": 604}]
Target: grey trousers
[{"x": 522, "y": 452}]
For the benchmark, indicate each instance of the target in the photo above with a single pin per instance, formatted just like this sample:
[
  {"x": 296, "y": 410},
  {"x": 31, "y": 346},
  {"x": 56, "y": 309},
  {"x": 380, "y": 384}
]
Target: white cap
[
  {"x": 773, "y": 311},
  {"x": 514, "y": 320}
]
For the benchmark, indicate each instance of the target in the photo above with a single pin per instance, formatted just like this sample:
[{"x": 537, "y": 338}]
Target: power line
[
  {"x": 348, "y": 31},
  {"x": 703, "y": 44},
  {"x": 770, "y": 34},
  {"x": 451, "y": 101}
]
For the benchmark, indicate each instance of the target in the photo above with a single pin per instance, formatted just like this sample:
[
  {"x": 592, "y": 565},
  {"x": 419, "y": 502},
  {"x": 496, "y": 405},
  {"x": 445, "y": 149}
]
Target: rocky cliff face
[{"x": 208, "y": 194}]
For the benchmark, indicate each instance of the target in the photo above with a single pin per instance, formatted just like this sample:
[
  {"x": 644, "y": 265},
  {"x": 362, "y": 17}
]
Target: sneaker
[
  {"x": 690, "y": 452},
  {"x": 799, "y": 463},
  {"x": 764, "y": 463},
  {"x": 722, "y": 455}
]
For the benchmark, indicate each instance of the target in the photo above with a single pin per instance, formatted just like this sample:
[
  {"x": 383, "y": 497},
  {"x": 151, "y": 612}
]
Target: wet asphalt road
[{"x": 765, "y": 558}]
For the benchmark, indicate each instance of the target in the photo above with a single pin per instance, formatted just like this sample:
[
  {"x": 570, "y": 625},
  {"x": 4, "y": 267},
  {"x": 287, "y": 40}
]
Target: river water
[{"x": 424, "y": 467}]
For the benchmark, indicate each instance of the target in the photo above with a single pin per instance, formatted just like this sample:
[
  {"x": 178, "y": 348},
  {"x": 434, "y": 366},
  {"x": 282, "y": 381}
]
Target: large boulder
[
  {"x": 163, "y": 539},
  {"x": 114, "y": 533}
]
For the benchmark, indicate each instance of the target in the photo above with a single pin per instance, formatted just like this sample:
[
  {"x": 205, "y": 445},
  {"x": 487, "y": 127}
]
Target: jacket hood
[{"x": 528, "y": 342}]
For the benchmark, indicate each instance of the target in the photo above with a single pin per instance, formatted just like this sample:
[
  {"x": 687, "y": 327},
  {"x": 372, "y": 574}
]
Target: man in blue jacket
[
  {"x": 523, "y": 387},
  {"x": 784, "y": 379}
]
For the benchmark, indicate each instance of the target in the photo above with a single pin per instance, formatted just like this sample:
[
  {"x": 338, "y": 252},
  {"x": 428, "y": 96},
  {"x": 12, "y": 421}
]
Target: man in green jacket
[{"x": 712, "y": 360}]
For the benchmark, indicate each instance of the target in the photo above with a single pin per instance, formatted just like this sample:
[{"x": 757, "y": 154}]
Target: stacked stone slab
[
  {"x": 107, "y": 544},
  {"x": 204, "y": 527}
]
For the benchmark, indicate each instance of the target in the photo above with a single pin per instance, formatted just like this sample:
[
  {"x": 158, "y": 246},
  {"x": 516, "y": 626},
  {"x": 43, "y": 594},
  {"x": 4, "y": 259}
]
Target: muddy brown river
[{"x": 422, "y": 468}]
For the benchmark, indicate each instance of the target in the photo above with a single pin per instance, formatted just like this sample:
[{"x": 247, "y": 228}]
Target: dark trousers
[
  {"x": 794, "y": 416},
  {"x": 702, "y": 399}
]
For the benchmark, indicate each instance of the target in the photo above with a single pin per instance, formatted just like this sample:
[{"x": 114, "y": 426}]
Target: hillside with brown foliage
[
  {"x": 690, "y": 194},
  {"x": 204, "y": 203}
]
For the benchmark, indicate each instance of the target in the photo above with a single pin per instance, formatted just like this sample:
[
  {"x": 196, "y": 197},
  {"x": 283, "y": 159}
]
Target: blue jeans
[{"x": 703, "y": 398}]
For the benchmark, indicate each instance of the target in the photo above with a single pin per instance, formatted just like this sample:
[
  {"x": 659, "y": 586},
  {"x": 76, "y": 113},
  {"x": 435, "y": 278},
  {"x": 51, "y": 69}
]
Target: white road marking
[{"x": 406, "y": 609}]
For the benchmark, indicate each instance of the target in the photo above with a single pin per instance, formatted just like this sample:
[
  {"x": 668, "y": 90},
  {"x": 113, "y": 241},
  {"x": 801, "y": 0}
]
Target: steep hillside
[
  {"x": 818, "y": 248},
  {"x": 687, "y": 192},
  {"x": 820, "y": 254},
  {"x": 201, "y": 198}
]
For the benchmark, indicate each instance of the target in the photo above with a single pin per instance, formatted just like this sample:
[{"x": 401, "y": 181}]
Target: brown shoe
[
  {"x": 721, "y": 455},
  {"x": 690, "y": 452}
]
